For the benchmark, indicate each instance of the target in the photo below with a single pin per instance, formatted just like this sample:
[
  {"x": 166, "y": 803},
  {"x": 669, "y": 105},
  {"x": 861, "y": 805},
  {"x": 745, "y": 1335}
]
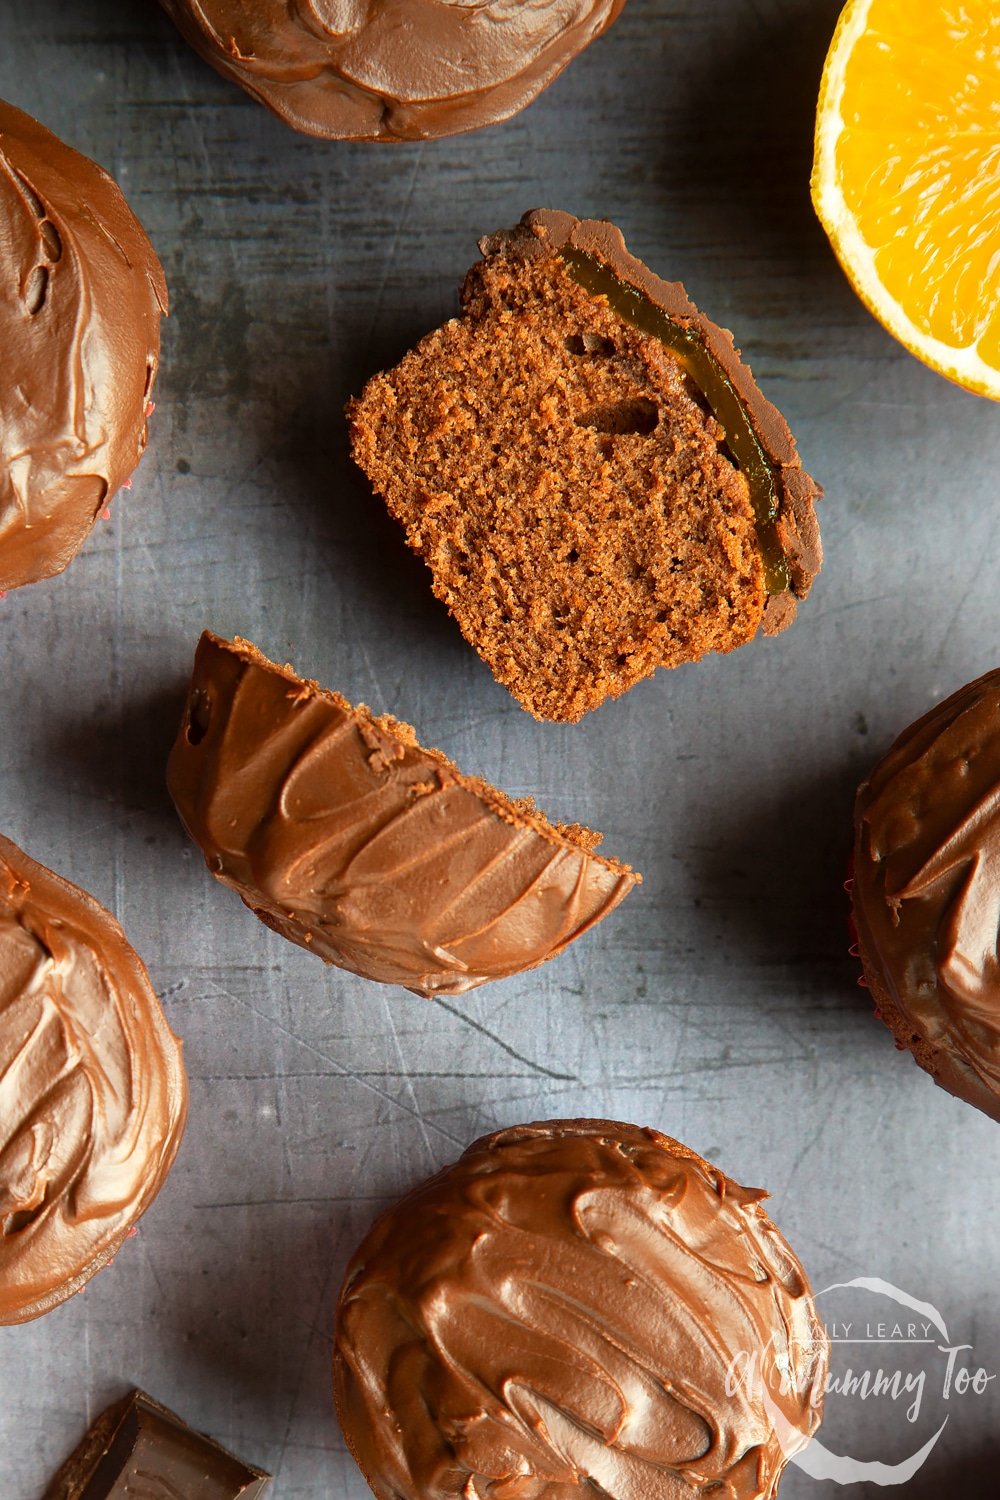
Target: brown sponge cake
[
  {"x": 344, "y": 834},
  {"x": 589, "y": 471}
]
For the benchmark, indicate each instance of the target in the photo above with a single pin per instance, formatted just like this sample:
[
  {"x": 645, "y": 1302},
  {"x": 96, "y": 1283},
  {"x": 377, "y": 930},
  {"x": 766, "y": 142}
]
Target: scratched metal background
[{"x": 718, "y": 1004}]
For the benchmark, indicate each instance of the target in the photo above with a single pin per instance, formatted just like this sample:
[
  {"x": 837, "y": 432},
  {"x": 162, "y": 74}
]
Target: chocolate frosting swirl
[
  {"x": 346, "y": 836},
  {"x": 577, "y": 1306},
  {"x": 391, "y": 70},
  {"x": 81, "y": 294},
  {"x": 926, "y": 890},
  {"x": 92, "y": 1089}
]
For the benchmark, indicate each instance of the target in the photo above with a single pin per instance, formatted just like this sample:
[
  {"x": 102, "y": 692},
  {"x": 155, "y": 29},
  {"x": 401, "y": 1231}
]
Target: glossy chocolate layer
[
  {"x": 92, "y": 1089},
  {"x": 926, "y": 891},
  {"x": 138, "y": 1450},
  {"x": 345, "y": 835},
  {"x": 759, "y": 441},
  {"x": 577, "y": 1307},
  {"x": 391, "y": 70},
  {"x": 81, "y": 295}
]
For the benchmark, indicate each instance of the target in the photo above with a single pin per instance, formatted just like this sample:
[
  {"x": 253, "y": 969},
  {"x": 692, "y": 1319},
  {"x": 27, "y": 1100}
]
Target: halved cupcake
[
  {"x": 589, "y": 471},
  {"x": 347, "y": 836}
]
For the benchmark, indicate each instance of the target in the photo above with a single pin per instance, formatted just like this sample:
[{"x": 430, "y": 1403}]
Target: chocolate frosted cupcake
[
  {"x": 577, "y": 1306},
  {"x": 589, "y": 471},
  {"x": 93, "y": 1095},
  {"x": 81, "y": 296},
  {"x": 926, "y": 891},
  {"x": 391, "y": 70},
  {"x": 344, "y": 834}
]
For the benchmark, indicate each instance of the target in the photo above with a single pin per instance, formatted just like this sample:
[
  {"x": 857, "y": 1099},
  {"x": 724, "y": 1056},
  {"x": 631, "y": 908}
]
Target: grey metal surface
[{"x": 718, "y": 1004}]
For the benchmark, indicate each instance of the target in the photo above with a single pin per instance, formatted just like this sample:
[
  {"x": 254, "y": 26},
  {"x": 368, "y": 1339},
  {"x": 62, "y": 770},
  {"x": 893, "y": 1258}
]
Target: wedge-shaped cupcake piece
[
  {"x": 93, "y": 1095},
  {"x": 345, "y": 835},
  {"x": 589, "y": 471}
]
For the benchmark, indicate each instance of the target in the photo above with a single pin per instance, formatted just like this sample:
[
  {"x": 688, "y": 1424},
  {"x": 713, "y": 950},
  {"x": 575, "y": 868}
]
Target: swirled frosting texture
[
  {"x": 343, "y": 834},
  {"x": 92, "y": 1089},
  {"x": 391, "y": 70},
  {"x": 81, "y": 294},
  {"x": 926, "y": 890},
  {"x": 577, "y": 1307}
]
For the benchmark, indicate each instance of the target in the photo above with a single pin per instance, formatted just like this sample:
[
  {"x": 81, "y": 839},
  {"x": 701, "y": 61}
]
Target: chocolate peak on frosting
[
  {"x": 577, "y": 1306},
  {"x": 926, "y": 891},
  {"x": 345, "y": 835},
  {"x": 81, "y": 295},
  {"x": 93, "y": 1095},
  {"x": 391, "y": 70}
]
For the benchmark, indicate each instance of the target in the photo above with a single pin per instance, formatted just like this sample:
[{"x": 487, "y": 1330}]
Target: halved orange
[{"x": 906, "y": 176}]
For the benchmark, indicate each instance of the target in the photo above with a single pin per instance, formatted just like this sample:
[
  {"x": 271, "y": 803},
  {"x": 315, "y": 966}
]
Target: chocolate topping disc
[
  {"x": 926, "y": 891},
  {"x": 92, "y": 1089},
  {"x": 391, "y": 70},
  {"x": 346, "y": 836},
  {"x": 583, "y": 1307},
  {"x": 81, "y": 295}
]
